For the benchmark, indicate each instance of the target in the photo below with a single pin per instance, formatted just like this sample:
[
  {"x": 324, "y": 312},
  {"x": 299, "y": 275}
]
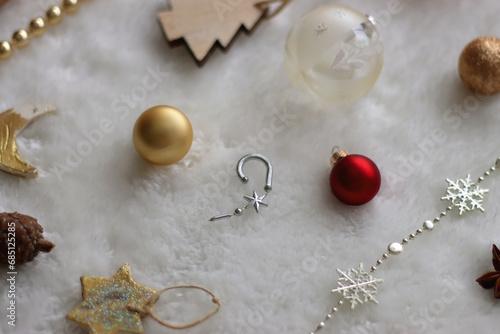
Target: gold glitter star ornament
[{"x": 105, "y": 300}]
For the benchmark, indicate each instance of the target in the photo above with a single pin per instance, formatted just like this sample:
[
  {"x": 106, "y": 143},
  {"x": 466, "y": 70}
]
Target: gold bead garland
[
  {"x": 70, "y": 6},
  {"x": 5, "y": 50},
  {"x": 37, "y": 27},
  {"x": 54, "y": 15},
  {"x": 20, "y": 38}
]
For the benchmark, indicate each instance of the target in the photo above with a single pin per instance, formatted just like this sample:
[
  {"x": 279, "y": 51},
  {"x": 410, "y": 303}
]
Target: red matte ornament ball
[{"x": 355, "y": 179}]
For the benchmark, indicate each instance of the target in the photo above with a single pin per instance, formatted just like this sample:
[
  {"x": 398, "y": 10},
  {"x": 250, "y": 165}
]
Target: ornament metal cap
[{"x": 337, "y": 154}]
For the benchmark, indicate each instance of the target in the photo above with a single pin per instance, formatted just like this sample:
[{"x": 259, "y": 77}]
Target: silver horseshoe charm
[{"x": 254, "y": 200}]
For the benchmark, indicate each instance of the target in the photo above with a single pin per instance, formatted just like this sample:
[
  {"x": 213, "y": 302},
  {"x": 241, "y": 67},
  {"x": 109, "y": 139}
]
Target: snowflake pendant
[
  {"x": 465, "y": 195},
  {"x": 357, "y": 286}
]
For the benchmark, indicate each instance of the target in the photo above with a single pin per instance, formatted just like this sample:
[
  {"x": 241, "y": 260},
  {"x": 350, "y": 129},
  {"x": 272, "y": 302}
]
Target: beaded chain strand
[
  {"x": 357, "y": 286},
  {"x": 37, "y": 26}
]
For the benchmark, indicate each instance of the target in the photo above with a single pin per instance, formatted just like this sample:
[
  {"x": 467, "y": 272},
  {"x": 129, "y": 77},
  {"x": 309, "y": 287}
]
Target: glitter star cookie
[{"x": 104, "y": 307}]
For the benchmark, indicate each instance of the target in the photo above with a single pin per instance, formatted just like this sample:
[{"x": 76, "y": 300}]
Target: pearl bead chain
[
  {"x": 37, "y": 27},
  {"x": 396, "y": 248}
]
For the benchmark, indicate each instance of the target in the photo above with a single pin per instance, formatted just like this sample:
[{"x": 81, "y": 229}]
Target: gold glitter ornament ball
[
  {"x": 163, "y": 135},
  {"x": 479, "y": 65}
]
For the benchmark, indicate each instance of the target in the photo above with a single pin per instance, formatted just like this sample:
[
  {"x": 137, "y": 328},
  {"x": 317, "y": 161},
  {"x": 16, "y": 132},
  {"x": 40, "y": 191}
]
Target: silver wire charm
[{"x": 254, "y": 200}]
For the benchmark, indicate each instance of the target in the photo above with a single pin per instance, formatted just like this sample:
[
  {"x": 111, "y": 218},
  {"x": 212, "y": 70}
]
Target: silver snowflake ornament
[
  {"x": 465, "y": 195},
  {"x": 321, "y": 28},
  {"x": 357, "y": 286},
  {"x": 340, "y": 13}
]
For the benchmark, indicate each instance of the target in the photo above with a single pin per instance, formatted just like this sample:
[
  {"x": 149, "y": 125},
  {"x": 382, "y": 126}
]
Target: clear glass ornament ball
[{"x": 334, "y": 53}]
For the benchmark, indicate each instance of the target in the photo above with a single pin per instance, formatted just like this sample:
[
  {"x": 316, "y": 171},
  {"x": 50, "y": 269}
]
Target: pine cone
[{"x": 28, "y": 236}]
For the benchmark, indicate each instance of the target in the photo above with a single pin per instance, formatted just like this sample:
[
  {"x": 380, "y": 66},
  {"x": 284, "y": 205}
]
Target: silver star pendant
[{"x": 256, "y": 201}]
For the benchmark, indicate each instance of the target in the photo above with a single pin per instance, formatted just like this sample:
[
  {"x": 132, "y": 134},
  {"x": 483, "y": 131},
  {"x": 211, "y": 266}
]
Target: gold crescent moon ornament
[{"x": 12, "y": 122}]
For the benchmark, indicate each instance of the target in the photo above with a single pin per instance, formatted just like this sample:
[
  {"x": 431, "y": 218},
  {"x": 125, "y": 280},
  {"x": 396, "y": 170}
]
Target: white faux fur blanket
[{"x": 274, "y": 270}]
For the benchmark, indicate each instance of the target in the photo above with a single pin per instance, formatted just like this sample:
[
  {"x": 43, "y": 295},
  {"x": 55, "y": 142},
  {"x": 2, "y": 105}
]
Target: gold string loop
[
  {"x": 149, "y": 308},
  {"x": 264, "y": 5}
]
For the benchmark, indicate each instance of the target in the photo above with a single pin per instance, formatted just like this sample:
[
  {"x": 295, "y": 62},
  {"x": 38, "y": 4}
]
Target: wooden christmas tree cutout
[{"x": 204, "y": 23}]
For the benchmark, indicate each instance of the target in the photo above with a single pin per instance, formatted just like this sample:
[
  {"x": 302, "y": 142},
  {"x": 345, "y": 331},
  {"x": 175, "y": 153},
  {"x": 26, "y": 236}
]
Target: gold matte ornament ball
[
  {"x": 163, "y": 135},
  {"x": 479, "y": 65}
]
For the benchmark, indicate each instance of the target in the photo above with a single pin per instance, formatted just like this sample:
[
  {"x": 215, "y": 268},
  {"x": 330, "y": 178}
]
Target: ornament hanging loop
[
  {"x": 149, "y": 308},
  {"x": 269, "y": 176},
  {"x": 253, "y": 200},
  {"x": 264, "y": 5},
  {"x": 335, "y": 149}
]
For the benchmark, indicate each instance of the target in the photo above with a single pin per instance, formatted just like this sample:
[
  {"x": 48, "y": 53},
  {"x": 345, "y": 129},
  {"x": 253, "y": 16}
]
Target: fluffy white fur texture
[{"x": 273, "y": 271}]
